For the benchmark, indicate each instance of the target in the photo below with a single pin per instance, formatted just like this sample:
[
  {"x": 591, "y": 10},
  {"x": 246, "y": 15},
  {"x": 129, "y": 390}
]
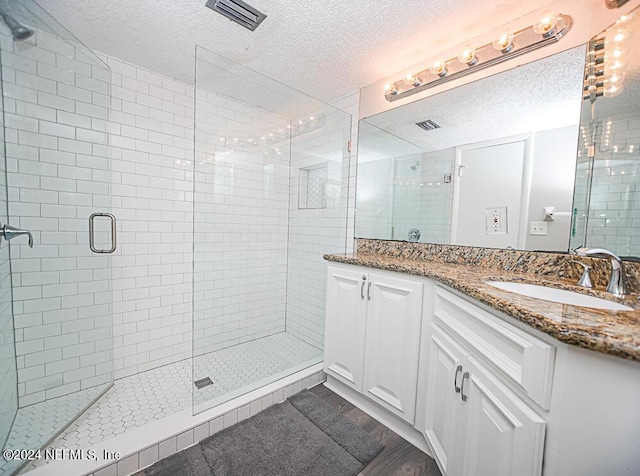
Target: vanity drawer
[{"x": 524, "y": 359}]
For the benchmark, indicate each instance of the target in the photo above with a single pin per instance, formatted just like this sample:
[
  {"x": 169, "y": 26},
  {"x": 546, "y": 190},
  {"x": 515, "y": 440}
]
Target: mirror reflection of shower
[{"x": 18, "y": 31}]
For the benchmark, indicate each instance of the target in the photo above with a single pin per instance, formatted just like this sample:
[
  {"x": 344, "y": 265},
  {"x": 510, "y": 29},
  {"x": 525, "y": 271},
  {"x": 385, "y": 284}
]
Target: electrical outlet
[
  {"x": 496, "y": 220},
  {"x": 538, "y": 228}
]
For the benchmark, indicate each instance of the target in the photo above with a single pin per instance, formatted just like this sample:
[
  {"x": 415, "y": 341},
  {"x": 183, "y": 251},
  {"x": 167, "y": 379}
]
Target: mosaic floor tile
[{"x": 140, "y": 399}]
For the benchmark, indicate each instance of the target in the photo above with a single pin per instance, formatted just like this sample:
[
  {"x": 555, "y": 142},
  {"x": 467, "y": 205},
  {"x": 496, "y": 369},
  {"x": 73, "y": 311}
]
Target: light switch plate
[{"x": 538, "y": 228}]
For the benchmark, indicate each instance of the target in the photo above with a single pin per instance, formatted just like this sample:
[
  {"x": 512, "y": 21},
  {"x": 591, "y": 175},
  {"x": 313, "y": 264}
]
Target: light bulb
[
  {"x": 612, "y": 89},
  {"x": 546, "y": 26},
  {"x": 623, "y": 19},
  {"x": 619, "y": 36},
  {"x": 614, "y": 65},
  {"x": 439, "y": 68},
  {"x": 504, "y": 44},
  {"x": 616, "y": 78},
  {"x": 413, "y": 80},
  {"x": 468, "y": 56},
  {"x": 390, "y": 89}
]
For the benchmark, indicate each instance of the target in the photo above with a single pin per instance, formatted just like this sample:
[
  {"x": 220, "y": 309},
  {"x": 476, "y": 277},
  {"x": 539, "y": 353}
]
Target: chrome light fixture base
[{"x": 523, "y": 42}]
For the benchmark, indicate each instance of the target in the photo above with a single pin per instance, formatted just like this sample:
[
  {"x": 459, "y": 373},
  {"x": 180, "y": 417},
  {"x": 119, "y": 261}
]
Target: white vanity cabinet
[
  {"x": 483, "y": 393},
  {"x": 372, "y": 335},
  {"x": 475, "y": 424}
]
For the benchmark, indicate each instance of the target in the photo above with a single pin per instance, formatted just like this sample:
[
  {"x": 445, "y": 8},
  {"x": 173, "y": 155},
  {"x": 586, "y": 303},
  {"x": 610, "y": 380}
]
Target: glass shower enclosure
[
  {"x": 270, "y": 197},
  {"x": 56, "y": 347}
]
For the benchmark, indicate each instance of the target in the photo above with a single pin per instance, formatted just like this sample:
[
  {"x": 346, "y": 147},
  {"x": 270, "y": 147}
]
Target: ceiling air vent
[
  {"x": 238, "y": 11},
  {"x": 427, "y": 125}
]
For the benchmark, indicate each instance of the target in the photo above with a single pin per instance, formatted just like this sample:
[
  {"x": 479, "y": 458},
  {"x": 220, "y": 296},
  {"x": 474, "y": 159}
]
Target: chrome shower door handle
[
  {"x": 10, "y": 232},
  {"x": 91, "y": 232}
]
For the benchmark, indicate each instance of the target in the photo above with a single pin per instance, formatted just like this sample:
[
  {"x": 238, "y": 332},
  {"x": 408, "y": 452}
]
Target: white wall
[{"x": 553, "y": 168}]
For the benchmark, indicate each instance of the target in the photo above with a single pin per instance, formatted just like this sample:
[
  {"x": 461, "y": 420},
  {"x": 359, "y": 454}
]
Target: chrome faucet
[
  {"x": 10, "y": 232},
  {"x": 617, "y": 282}
]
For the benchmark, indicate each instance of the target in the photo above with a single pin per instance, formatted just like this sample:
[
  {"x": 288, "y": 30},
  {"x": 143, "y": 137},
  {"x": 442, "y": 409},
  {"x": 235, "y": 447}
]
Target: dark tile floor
[{"x": 398, "y": 458}]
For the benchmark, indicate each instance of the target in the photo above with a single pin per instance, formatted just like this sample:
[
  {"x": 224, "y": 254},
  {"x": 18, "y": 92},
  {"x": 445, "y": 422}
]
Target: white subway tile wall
[
  {"x": 436, "y": 196},
  {"x": 614, "y": 206},
  {"x": 404, "y": 193},
  {"x": 74, "y": 151},
  {"x": 241, "y": 222},
  {"x": 151, "y": 129},
  {"x": 315, "y": 231},
  {"x": 257, "y": 253},
  {"x": 407, "y": 214},
  {"x": 8, "y": 372},
  {"x": 56, "y": 103},
  {"x": 373, "y": 201}
]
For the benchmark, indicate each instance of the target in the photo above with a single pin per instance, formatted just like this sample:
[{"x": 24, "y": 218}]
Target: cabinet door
[
  {"x": 344, "y": 326},
  {"x": 393, "y": 343},
  {"x": 500, "y": 435},
  {"x": 443, "y": 403}
]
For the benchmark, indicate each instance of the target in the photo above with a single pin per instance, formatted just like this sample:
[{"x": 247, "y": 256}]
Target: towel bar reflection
[{"x": 92, "y": 228}]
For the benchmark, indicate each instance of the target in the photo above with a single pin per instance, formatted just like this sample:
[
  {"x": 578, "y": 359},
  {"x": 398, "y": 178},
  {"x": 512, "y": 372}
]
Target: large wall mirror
[
  {"x": 607, "y": 192},
  {"x": 525, "y": 159},
  {"x": 477, "y": 165}
]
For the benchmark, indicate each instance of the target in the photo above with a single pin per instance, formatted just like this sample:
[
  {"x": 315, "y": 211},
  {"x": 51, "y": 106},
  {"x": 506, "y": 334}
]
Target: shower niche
[{"x": 312, "y": 186}]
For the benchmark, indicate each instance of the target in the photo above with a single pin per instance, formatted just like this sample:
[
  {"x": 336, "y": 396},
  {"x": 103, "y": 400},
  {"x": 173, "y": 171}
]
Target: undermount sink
[{"x": 558, "y": 295}]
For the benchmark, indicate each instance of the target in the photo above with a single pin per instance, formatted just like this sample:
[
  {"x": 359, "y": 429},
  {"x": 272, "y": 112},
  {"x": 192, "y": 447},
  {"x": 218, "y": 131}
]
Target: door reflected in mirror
[{"x": 478, "y": 164}]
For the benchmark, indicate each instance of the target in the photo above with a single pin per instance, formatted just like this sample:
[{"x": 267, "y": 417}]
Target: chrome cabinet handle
[
  {"x": 369, "y": 292},
  {"x": 455, "y": 378},
  {"x": 10, "y": 232},
  {"x": 364, "y": 280},
  {"x": 465, "y": 376},
  {"x": 91, "y": 232}
]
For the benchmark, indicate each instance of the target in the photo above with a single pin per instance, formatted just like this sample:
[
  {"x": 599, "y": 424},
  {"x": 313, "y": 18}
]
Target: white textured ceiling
[{"x": 323, "y": 48}]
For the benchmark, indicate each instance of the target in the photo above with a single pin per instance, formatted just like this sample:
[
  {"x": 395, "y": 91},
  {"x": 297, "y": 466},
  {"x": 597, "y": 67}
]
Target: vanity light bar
[{"x": 549, "y": 30}]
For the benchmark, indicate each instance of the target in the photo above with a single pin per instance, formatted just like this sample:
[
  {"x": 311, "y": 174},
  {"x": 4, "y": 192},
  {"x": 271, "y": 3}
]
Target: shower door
[
  {"x": 55, "y": 112},
  {"x": 270, "y": 197}
]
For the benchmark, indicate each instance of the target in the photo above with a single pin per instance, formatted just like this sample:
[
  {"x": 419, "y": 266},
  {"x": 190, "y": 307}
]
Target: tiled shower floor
[{"x": 143, "y": 398}]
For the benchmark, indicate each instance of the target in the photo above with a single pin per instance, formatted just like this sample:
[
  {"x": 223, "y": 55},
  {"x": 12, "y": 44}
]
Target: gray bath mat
[{"x": 301, "y": 436}]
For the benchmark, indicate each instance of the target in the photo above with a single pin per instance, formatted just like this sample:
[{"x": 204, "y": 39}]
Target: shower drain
[{"x": 203, "y": 382}]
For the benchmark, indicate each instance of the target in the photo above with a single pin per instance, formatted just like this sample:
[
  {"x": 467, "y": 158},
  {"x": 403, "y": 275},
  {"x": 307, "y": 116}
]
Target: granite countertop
[{"x": 611, "y": 332}]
